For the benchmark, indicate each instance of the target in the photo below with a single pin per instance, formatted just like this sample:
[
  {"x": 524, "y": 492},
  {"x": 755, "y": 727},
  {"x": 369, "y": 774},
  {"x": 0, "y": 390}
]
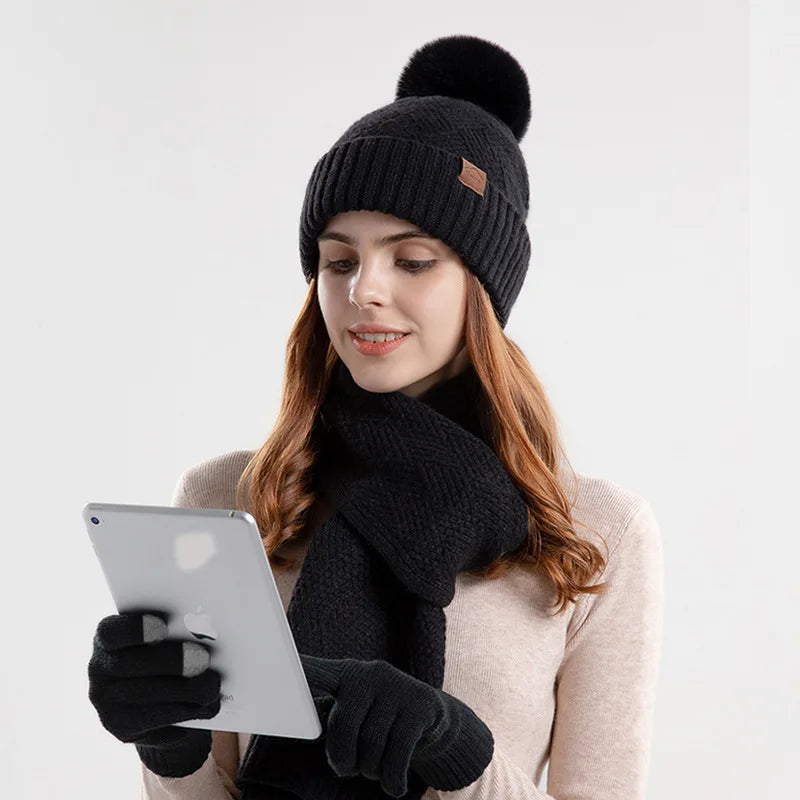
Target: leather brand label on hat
[{"x": 473, "y": 177}]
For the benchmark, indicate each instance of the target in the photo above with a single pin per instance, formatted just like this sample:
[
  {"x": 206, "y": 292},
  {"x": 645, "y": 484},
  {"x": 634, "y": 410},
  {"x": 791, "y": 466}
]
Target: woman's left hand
[{"x": 385, "y": 722}]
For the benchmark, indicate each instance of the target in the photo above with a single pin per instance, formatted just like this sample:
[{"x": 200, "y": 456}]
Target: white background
[{"x": 154, "y": 158}]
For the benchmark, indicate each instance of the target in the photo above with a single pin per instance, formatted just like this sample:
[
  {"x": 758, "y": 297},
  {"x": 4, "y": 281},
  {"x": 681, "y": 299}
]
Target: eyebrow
[{"x": 382, "y": 242}]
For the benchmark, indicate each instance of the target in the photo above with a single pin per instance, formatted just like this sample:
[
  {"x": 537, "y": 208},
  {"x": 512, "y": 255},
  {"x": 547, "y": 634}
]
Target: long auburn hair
[{"x": 514, "y": 411}]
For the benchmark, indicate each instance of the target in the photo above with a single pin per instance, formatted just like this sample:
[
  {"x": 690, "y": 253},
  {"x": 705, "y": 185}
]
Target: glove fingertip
[
  {"x": 196, "y": 659},
  {"x": 154, "y": 629}
]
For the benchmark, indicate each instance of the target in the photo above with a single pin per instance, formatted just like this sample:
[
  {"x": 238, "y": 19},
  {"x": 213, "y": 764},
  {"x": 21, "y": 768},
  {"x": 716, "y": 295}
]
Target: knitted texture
[
  {"x": 419, "y": 497},
  {"x": 444, "y": 155},
  {"x": 141, "y": 685},
  {"x": 431, "y": 731}
]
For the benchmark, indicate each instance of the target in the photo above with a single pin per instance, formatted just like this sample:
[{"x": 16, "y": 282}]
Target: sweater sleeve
[
  {"x": 212, "y": 781},
  {"x": 605, "y": 686}
]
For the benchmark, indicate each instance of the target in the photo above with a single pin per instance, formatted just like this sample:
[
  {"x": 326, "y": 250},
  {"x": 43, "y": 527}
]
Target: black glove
[
  {"x": 141, "y": 685},
  {"x": 385, "y": 722}
]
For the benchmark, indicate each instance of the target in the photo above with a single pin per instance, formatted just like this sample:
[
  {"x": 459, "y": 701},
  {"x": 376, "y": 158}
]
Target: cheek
[
  {"x": 439, "y": 304},
  {"x": 327, "y": 298}
]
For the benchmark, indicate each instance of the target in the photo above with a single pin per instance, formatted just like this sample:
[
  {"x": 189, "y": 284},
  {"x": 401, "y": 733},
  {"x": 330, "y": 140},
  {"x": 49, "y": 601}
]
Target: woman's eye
[
  {"x": 409, "y": 265},
  {"x": 417, "y": 266},
  {"x": 336, "y": 264}
]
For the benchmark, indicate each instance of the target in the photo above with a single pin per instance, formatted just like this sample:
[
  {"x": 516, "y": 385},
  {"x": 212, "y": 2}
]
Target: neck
[{"x": 457, "y": 397}]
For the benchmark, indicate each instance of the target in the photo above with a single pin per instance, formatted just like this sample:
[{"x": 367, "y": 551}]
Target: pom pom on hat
[{"x": 473, "y": 69}]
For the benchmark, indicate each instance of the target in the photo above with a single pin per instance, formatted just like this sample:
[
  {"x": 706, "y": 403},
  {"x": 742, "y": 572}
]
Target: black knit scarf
[{"x": 419, "y": 497}]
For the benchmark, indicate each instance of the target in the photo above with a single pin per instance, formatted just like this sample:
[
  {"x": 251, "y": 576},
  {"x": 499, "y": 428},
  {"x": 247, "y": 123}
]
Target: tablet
[{"x": 207, "y": 569}]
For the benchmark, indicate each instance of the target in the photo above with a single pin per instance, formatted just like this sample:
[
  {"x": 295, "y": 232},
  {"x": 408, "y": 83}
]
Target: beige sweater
[{"x": 577, "y": 688}]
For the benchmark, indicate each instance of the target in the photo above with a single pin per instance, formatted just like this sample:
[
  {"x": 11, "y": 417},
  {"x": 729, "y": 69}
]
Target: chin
[
  {"x": 380, "y": 377},
  {"x": 410, "y": 385},
  {"x": 377, "y": 383}
]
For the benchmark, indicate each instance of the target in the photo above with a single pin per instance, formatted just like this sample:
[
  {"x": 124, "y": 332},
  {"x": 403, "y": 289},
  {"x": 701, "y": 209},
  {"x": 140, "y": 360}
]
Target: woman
[{"x": 435, "y": 555}]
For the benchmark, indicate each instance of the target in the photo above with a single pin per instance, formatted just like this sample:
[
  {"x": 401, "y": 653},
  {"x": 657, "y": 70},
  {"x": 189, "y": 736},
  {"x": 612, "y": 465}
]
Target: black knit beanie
[{"x": 445, "y": 156}]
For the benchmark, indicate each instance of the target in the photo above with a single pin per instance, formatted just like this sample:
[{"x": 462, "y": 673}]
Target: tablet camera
[{"x": 95, "y": 520}]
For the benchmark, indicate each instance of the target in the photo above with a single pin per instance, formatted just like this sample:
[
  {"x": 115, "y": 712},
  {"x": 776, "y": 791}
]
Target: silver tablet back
[{"x": 207, "y": 568}]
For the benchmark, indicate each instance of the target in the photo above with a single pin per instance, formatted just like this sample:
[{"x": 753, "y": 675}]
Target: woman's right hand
[{"x": 141, "y": 684}]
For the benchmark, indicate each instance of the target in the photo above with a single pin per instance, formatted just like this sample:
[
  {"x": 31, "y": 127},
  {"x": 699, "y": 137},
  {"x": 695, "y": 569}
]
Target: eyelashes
[{"x": 343, "y": 264}]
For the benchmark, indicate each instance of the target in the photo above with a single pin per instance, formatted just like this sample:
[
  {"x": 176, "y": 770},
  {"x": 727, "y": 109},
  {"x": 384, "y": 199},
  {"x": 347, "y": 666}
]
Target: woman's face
[{"x": 383, "y": 282}]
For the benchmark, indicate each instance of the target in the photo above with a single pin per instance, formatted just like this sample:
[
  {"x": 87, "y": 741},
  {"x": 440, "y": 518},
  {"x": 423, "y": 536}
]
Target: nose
[{"x": 368, "y": 284}]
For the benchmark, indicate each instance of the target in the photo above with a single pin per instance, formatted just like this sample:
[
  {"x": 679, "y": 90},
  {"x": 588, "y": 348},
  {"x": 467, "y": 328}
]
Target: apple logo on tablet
[{"x": 199, "y": 624}]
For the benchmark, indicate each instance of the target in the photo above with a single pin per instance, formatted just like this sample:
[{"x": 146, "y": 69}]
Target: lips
[
  {"x": 401, "y": 333},
  {"x": 379, "y": 333},
  {"x": 364, "y": 327},
  {"x": 376, "y": 348}
]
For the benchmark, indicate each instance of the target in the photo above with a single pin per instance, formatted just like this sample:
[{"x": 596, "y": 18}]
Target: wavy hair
[{"x": 516, "y": 418}]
